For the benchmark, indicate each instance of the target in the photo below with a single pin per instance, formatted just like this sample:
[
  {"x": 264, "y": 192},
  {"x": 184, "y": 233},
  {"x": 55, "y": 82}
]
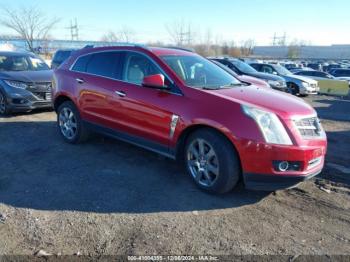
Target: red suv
[{"x": 183, "y": 106}]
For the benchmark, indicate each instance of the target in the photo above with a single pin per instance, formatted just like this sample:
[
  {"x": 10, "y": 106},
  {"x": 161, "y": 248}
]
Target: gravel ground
[{"x": 107, "y": 197}]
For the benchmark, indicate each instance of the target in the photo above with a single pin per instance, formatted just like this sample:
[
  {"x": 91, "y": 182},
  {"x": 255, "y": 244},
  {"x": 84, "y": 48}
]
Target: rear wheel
[
  {"x": 4, "y": 110},
  {"x": 70, "y": 125},
  {"x": 211, "y": 161}
]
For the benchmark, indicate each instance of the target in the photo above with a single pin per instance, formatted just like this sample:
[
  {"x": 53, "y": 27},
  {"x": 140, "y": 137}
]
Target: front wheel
[
  {"x": 212, "y": 161},
  {"x": 4, "y": 110},
  {"x": 293, "y": 89}
]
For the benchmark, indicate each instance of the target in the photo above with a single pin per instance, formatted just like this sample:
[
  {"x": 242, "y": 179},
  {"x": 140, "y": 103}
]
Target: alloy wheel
[
  {"x": 68, "y": 123},
  {"x": 203, "y": 163}
]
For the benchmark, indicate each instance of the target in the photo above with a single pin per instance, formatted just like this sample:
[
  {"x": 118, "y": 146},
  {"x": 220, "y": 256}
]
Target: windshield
[
  {"x": 244, "y": 67},
  {"x": 198, "y": 72},
  {"x": 282, "y": 70},
  {"x": 22, "y": 63}
]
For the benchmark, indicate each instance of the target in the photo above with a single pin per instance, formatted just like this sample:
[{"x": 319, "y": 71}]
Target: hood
[
  {"x": 282, "y": 104},
  {"x": 28, "y": 76},
  {"x": 266, "y": 76},
  {"x": 302, "y": 78}
]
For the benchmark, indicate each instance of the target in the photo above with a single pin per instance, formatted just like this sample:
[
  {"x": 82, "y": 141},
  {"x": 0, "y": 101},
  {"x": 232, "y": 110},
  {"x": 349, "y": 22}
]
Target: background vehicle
[
  {"x": 315, "y": 66},
  {"x": 242, "y": 68},
  {"x": 25, "y": 82},
  {"x": 340, "y": 72},
  {"x": 296, "y": 84},
  {"x": 60, "y": 56},
  {"x": 317, "y": 75},
  {"x": 243, "y": 78},
  {"x": 183, "y": 106}
]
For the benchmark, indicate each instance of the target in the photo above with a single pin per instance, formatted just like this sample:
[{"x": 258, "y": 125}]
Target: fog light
[{"x": 283, "y": 166}]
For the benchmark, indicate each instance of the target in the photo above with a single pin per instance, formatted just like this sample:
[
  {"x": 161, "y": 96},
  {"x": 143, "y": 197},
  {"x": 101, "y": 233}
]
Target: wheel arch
[
  {"x": 184, "y": 135},
  {"x": 60, "y": 99}
]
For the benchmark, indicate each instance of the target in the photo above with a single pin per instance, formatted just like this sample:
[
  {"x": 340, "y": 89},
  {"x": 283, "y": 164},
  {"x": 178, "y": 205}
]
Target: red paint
[{"x": 147, "y": 112}]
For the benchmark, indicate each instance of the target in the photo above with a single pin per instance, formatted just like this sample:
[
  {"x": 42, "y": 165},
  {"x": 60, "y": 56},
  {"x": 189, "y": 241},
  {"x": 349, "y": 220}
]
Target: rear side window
[
  {"x": 104, "y": 64},
  {"x": 80, "y": 64}
]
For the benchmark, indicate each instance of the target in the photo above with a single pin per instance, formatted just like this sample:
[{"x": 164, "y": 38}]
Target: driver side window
[
  {"x": 137, "y": 67},
  {"x": 267, "y": 69}
]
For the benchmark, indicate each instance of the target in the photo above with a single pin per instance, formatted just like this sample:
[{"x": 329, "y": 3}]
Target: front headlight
[
  {"x": 270, "y": 126},
  {"x": 16, "y": 84},
  {"x": 305, "y": 84}
]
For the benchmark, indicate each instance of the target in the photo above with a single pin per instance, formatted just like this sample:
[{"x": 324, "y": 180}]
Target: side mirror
[
  {"x": 154, "y": 81},
  {"x": 274, "y": 72}
]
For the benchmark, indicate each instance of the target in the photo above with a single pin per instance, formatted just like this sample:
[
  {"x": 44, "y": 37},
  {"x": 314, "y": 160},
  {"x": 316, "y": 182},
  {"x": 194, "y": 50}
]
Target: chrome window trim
[{"x": 125, "y": 50}]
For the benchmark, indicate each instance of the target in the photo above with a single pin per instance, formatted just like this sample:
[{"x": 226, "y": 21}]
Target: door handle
[
  {"x": 79, "y": 80},
  {"x": 120, "y": 93}
]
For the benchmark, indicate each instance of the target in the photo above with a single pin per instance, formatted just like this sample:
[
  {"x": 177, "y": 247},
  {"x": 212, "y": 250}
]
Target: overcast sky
[{"x": 318, "y": 22}]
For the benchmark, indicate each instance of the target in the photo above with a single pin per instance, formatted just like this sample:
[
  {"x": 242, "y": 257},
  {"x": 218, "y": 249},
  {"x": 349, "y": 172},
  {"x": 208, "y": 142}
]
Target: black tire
[
  {"x": 227, "y": 163},
  {"x": 81, "y": 134},
  {"x": 293, "y": 88},
  {"x": 4, "y": 110}
]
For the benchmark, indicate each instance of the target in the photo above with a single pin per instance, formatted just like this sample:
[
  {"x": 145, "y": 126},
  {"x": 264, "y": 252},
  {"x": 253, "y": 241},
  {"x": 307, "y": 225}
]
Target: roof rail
[
  {"x": 104, "y": 44},
  {"x": 181, "y": 48}
]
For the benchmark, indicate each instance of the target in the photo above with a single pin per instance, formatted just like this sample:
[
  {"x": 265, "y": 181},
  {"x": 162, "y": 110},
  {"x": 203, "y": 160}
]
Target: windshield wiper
[
  {"x": 232, "y": 85},
  {"x": 209, "y": 88}
]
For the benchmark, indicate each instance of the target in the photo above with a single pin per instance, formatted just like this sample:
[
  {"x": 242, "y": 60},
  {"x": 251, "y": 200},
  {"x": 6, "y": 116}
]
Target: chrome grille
[
  {"x": 309, "y": 127},
  {"x": 40, "y": 87}
]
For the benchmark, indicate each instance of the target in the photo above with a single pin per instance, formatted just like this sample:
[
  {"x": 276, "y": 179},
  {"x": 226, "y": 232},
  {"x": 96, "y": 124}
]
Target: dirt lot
[{"x": 107, "y": 197}]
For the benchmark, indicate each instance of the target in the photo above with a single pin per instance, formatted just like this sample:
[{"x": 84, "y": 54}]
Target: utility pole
[
  {"x": 279, "y": 40},
  {"x": 74, "y": 30}
]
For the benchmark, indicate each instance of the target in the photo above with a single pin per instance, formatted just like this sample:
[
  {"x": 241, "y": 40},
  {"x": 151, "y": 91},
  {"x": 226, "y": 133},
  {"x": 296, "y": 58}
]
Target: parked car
[
  {"x": 317, "y": 75},
  {"x": 296, "y": 84},
  {"x": 183, "y": 106},
  {"x": 331, "y": 67},
  {"x": 242, "y": 68},
  {"x": 60, "y": 56},
  {"x": 25, "y": 82},
  {"x": 315, "y": 66},
  {"x": 340, "y": 72},
  {"x": 293, "y": 70},
  {"x": 243, "y": 78}
]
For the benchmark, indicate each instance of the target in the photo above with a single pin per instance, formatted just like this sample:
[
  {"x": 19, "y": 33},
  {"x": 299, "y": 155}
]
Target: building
[{"x": 333, "y": 52}]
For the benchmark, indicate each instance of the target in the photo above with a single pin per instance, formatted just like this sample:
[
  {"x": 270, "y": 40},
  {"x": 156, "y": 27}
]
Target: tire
[
  {"x": 4, "y": 110},
  {"x": 70, "y": 125},
  {"x": 293, "y": 89},
  {"x": 216, "y": 167}
]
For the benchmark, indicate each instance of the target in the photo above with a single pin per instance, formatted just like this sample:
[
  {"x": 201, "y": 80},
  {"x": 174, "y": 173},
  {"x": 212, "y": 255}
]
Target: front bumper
[
  {"x": 28, "y": 102},
  {"x": 309, "y": 90},
  {"x": 260, "y": 173},
  {"x": 272, "y": 182}
]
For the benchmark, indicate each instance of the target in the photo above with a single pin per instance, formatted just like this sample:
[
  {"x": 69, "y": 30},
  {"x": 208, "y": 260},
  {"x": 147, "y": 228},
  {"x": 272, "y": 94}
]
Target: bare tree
[
  {"x": 294, "y": 48},
  {"x": 110, "y": 36},
  {"x": 125, "y": 34},
  {"x": 29, "y": 23},
  {"x": 181, "y": 33},
  {"x": 247, "y": 47}
]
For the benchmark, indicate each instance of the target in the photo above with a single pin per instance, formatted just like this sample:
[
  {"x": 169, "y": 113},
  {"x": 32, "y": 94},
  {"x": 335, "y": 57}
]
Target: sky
[{"x": 318, "y": 22}]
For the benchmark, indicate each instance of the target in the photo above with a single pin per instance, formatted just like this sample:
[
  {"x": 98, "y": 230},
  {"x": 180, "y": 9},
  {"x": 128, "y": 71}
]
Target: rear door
[{"x": 97, "y": 77}]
